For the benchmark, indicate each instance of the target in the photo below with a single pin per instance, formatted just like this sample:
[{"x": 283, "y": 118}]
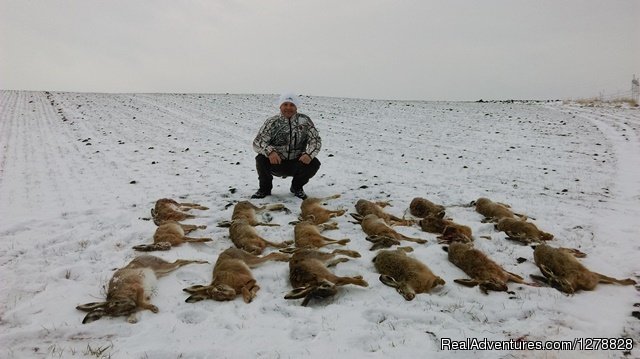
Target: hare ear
[
  {"x": 357, "y": 217},
  {"x": 389, "y": 280},
  {"x": 306, "y": 300},
  {"x": 440, "y": 214},
  {"x": 147, "y": 247},
  {"x": 298, "y": 293},
  {"x": 94, "y": 315},
  {"x": 493, "y": 285},
  {"x": 540, "y": 279},
  {"x": 289, "y": 250},
  {"x": 196, "y": 288},
  {"x": 155, "y": 219},
  {"x": 467, "y": 282},
  {"x": 196, "y": 297},
  {"x": 375, "y": 238},
  {"x": 406, "y": 249},
  {"x": 88, "y": 307},
  {"x": 546, "y": 271},
  {"x": 224, "y": 224}
]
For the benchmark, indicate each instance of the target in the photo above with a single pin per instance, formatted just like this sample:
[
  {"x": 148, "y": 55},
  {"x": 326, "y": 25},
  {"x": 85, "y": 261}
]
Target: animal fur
[
  {"x": 364, "y": 208},
  {"x": 310, "y": 277},
  {"x": 494, "y": 211},
  {"x": 130, "y": 288},
  {"x": 171, "y": 234},
  {"x": 376, "y": 227},
  {"x": 483, "y": 271},
  {"x": 449, "y": 231},
  {"x": 232, "y": 277},
  {"x": 247, "y": 211},
  {"x": 308, "y": 234},
  {"x": 245, "y": 236},
  {"x": 522, "y": 231},
  {"x": 565, "y": 273},
  {"x": 313, "y": 210},
  {"x": 167, "y": 209},
  {"x": 422, "y": 207},
  {"x": 407, "y": 274}
]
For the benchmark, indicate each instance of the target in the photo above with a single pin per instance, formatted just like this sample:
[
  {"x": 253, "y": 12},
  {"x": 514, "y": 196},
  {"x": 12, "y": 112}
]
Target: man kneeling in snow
[{"x": 287, "y": 145}]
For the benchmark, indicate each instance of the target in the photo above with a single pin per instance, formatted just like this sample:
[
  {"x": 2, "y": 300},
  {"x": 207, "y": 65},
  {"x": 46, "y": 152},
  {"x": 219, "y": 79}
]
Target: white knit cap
[{"x": 288, "y": 97}]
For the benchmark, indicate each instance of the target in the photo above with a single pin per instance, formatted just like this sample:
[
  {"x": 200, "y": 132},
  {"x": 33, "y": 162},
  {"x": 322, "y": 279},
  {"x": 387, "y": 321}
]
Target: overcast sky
[{"x": 382, "y": 49}]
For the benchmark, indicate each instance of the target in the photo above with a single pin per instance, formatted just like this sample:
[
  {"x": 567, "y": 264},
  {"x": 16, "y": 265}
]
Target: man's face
[{"x": 288, "y": 109}]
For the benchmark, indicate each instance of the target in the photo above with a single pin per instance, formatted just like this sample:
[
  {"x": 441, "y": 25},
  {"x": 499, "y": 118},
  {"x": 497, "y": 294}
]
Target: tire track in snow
[
  {"x": 45, "y": 167},
  {"x": 618, "y": 218},
  {"x": 8, "y": 109},
  {"x": 626, "y": 145}
]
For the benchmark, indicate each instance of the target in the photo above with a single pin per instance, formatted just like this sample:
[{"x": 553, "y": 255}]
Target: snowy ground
[{"x": 79, "y": 173}]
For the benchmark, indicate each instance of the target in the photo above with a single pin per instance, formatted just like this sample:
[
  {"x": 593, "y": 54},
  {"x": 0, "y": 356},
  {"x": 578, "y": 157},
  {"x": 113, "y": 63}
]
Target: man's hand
[
  {"x": 274, "y": 158},
  {"x": 305, "y": 158}
]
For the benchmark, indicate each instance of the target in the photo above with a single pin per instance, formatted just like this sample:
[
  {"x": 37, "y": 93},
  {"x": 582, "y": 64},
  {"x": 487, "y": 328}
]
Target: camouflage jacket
[{"x": 288, "y": 137}]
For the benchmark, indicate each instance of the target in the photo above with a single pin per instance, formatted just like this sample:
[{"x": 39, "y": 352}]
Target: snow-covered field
[{"x": 79, "y": 173}]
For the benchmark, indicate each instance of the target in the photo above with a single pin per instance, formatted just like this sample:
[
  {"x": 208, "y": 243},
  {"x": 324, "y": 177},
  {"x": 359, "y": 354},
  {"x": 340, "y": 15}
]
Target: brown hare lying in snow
[
  {"x": 364, "y": 207},
  {"x": 422, "y": 207},
  {"x": 449, "y": 231},
  {"x": 130, "y": 288},
  {"x": 308, "y": 234},
  {"x": 313, "y": 210},
  {"x": 483, "y": 271},
  {"x": 167, "y": 209},
  {"x": 310, "y": 277},
  {"x": 247, "y": 211},
  {"x": 232, "y": 276},
  {"x": 381, "y": 234},
  {"x": 494, "y": 211},
  {"x": 522, "y": 231},
  {"x": 563, "y": 271},
  {"x": 171, "y": 234},
  {"x": 408, "y": 275},
  {"x": 245, "y": 236}
]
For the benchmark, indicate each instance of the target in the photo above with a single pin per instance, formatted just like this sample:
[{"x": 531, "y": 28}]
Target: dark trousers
[{"x": 301, "y": 173}]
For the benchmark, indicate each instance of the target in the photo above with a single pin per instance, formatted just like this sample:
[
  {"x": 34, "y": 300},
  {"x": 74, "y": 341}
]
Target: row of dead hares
[
  {"x": 232, "y": 274},
  {"x": 309, "y": 273},
  {"x": 131, "y": 286},
  {"x": 406, "y": 274},
  {"x": 170, "y": 232},
  {"x": 484, "y": 272},
  {"x": 514, "y": 225},
  {"x": 410, "y": 276},
  {"x": 558, "y": 265}
]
